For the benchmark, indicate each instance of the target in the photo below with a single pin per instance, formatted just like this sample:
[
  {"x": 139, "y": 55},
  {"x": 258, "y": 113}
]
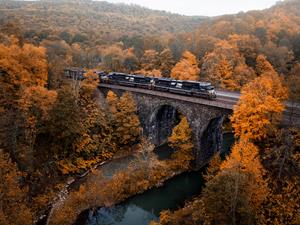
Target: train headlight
[{"x": 212, "y": 93}]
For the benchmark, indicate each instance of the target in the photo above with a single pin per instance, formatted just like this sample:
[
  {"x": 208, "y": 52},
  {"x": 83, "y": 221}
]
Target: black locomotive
[
  {"x": 184, "y": 87},
  {"x": 192, "y": 88}
]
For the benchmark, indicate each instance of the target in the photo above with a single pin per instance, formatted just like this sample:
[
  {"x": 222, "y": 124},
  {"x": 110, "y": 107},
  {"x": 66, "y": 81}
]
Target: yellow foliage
[
  {"x": 186, "y": 68},
  {"x": 245, "y": 158},
  {"x": 126, "y": 122},
  {"x": 181, "y": 141},
  {"x": 260, "y": 106}
]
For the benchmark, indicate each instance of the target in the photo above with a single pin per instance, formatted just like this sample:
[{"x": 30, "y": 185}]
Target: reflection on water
[{"x": 141, "y": 209}]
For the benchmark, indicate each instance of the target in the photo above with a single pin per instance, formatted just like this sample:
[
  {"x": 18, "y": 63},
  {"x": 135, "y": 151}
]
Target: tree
[
  {"x": 35, "y": 105},
  {"x": 112, "y": 99},
  {"x": 13, "y": 208},
  {"x": 213, "y": 168},
  {"x": 248, "y": 46},
  {"x": 113, "y": 58},
  {"x": 65, "y": 124},
  {"x": 151, "y": 73},
  {"x": 281, "y": 160},
  {"x": 181, "y": 141},
  {"x": 20, "y": 68},
  {"x": 224, "y": 74},
  {"x": 166, "y": 62},
  {"x": 150, "y": 60},
  {"x": 236, "y": 193},
  {"x": 225, "y": 67},
  {"x": 59, "y": 56},
  {"x": 263, "y": 65},
  {"x": 280, "y": 56},
  {"x": 260, "y": 105},
  {"x": 186, "y": 68},
  {"x": 125, "y": 121},
  {"x": 131, "y": 62}
]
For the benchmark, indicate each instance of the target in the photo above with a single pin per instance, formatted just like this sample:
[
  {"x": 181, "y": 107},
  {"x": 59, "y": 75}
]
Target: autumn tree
[
  {"x": 224, "y": 74},
  {"x": 150, "y": 64},
  {"x": 186, "y": 68},
  {"x": 248, "y": 46},
  {"x": 79, "y": 130},
  {"x": 95, "y": 143},
  {"x": 150, "y": 60},
  {"x": 150, "y": 73},
  {"x": 225, "y": 67},
  {"x": 20, "y": 68},
  {"x": 181, "y": 141},
  {"x": 263, "y": 65},
  {"x": 65, "y": 124},
  {"x": 13, "y": 208},
  {"x": 236, "y": 193},
  {"x": 166, "y": 62},
  {"x": 260, "y": 105},
  {"x": 35, "y": 105},
  {"x": 131, "y": 62},
  {"x": 213, "y": 167},
  {"x": 125, "y": 121},
  {"x": 59, "y": 56},
  {"x": 113, "y": 57},
  {"x": 280, "y": 158},
  {"x": 280, "y": 56}
]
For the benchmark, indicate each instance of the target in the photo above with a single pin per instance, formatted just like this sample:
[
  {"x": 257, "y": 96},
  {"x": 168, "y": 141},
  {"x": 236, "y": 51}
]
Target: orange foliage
[
  {"x": 263, "y": 65},
  {"x": 151, "y": 73},
  {"x": 245, "y": 158},
  {"x": 259, "y": 106},
  {"x": 20, "y": 67},
  {"x": 186, "y": 68},
  {"x": 181, "y": 141},
  {"x": 13, "y": 210},
  {"x": 125, "y": 121}
]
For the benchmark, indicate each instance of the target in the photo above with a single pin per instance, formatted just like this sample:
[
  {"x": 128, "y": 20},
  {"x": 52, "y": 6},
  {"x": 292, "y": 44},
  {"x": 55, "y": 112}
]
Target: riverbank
[
  {"x": 73, "y": 183},
  {"x": 137, "y": 178},
  {"x": 143, "y": 208},
  {"x": 104, "y": 189}
]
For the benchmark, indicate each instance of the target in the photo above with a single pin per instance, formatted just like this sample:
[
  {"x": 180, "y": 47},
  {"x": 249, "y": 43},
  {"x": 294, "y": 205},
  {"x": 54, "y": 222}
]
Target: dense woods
[{"x": 53, "y": 129}]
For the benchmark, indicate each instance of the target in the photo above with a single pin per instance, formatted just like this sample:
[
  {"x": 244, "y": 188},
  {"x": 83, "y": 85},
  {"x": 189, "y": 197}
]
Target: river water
[{"x": 141, "y": 209}]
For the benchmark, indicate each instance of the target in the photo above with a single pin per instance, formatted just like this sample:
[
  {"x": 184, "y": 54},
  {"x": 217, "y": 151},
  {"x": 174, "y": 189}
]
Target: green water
[{"x": 141, "y": 209}]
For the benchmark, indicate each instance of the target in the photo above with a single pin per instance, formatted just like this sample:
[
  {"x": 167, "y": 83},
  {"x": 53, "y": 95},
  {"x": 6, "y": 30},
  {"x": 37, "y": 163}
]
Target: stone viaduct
[{"x": 159, "y": 112}]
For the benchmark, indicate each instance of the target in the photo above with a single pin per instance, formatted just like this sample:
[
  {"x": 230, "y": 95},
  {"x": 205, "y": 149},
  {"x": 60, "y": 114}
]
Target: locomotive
[{"x": 183, "y": 87}]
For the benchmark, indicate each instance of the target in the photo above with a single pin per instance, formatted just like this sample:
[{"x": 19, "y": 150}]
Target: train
[{"x": 182, "y": 87}]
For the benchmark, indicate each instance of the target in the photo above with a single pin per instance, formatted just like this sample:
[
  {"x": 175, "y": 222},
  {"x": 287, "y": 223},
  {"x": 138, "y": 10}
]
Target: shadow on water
[
  {"x": 142, "y": 208},
  {"x": 163, "y": 152},
  {"x": 228, "y": 141}
]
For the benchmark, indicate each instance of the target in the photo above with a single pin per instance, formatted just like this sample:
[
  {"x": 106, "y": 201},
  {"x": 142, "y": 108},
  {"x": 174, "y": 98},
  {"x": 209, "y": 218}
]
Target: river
[{"x": 142, "y": 208}]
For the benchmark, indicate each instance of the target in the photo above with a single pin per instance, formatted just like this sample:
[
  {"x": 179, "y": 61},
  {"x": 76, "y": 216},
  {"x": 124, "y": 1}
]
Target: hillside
[
  {"x": 92, "y": 19},
  {"x": 129, "y": 37},
  {"x": 54, "y": 130}
]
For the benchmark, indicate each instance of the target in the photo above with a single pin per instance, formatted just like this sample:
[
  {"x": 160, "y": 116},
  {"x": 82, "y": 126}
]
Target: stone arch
[
  {"x": 161, "y": 122},
  {"x": 210, "y": 139}
]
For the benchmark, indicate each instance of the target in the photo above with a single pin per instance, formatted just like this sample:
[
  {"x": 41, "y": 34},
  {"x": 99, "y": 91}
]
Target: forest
[{"x": 53, "y": 129}]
